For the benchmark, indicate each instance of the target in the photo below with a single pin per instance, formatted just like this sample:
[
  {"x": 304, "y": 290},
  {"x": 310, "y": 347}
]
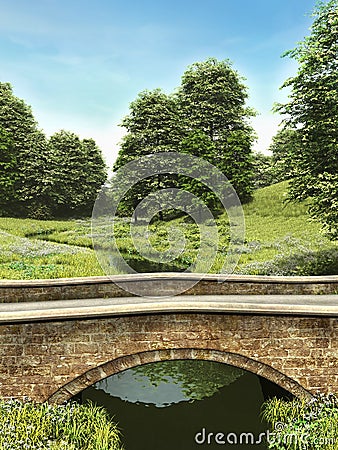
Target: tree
[
  {"x": 285, "y": 144},
  {"x": 42, "y": 179},
  {"x": 262, "y": 170},
  {"x": 312, "y": 110},
  {"x": 212, "y": 100},
  {"x": 78, "y": 172},
  {"x": 153, "y": 126},
  {"x": 205, "y": 117},
  {"x": 199, "y": 144},
  {"x": 24, "y": 152},
  {"x": 8, "y": 170}
]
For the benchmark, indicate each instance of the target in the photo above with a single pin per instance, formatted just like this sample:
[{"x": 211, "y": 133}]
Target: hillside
[{"x": 283, "y": 238}]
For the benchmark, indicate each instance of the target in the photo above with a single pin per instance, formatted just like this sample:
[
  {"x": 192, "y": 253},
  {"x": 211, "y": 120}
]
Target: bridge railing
[
  {"x": 159, "y": 284},
  {"x": 31, "y": 300}
]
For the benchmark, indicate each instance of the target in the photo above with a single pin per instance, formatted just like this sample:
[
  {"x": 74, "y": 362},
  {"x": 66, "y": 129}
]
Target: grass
[
  {"x": 40, "y": 426},
  {"x": 46, "y": 249},
  {"x": 280, "y": 239},
  {"x": 303, "y": 424},
  {"x": 283, "y": 236}
]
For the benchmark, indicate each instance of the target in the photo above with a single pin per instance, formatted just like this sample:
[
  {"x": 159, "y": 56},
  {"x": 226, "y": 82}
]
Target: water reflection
[
  {"x": 136, "y": 388},
  {"x": 166, "y": 383},
  {"x": 161, "y": 406}
]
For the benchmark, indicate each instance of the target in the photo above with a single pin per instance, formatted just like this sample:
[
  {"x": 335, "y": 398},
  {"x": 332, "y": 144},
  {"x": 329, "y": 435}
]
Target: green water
[{"x": 183, "y": 405}]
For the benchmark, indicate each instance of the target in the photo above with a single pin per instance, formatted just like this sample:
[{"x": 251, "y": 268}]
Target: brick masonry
[{"x": 55, "y": 360}]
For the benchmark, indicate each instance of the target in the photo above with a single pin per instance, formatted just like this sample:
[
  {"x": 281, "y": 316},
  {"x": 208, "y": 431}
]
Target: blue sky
[{"x": 79, "y": 63}]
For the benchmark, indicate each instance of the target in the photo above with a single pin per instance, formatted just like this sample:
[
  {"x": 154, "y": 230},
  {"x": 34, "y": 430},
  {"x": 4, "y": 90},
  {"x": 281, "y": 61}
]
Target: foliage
[
  {"x": 153, "y": 126},
  {"x": 44, "y": 179},
  {"x": 325, "y": 202},
  {"x": 301, "y": 262},
  {"x": 212, "y": 100},
  {"x": 303, "y": 424},
  {"x": 8, "y": 169},
  {"x": 28, "y": 425},
  {"x": 78, "y": 174},
  {"x": 280, "y": 239},
  {"x": 263, "y": 175},
  {"x": 284, "y": 144},
  {"x": 312, "y": 111},
  {"x": 205, "y": 117},
  {"x": 23, "y": 152}
]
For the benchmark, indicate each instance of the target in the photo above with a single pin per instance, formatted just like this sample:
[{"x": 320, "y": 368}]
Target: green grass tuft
[{"x": 40, "y": 426}]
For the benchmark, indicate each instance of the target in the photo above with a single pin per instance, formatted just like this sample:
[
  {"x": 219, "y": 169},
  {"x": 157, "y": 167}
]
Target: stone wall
[
  {"x": 158, "y": 284},
  {"x": 55, "y": 360}
]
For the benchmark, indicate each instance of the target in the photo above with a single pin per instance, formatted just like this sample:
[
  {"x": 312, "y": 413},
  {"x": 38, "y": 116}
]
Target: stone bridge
[{"x": 58, "y": 337}]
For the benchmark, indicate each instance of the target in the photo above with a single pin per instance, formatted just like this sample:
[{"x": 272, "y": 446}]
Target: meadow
[{"x": 280, "y": 239}]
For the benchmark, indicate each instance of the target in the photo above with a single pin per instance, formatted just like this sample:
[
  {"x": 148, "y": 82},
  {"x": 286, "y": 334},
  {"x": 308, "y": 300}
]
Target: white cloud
[{"x": 266, "y": 126}]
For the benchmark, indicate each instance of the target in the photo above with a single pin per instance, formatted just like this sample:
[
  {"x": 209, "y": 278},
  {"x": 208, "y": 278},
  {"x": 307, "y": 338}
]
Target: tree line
[
  {"x": 206, "y": 116},
  {"x": 40, "y": 177}
]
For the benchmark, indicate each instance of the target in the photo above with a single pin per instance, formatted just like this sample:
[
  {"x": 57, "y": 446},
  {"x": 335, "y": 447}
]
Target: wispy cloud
[{"x": 79, "y": 63}]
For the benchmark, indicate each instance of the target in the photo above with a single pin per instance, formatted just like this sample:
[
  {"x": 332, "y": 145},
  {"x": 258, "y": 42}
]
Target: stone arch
[{"x": 127, "y": 362}]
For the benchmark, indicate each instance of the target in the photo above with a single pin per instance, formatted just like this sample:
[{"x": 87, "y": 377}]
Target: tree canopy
[
  {"x": 312, "y": 112},
  {"x": 44, "y": 178},
  {"x": 206, "y": 117},
  {"x": 78, "y": 173}
]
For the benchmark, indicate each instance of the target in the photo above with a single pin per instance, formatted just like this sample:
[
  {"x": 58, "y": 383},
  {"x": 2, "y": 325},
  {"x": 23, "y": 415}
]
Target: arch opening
[
  {"x": 182, "y": 403},
  {"x": 121, "y": 364}
]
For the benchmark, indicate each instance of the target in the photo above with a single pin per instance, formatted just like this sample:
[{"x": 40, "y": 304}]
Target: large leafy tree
[
  {"x": 78, "y": 172},
  {"x": 153, "y": 126},
  {"x": 312, "y": 110},
  {"x": 205, "y": 117},
  {"x": 8, "y": 170},
  {"x": 42, "y": 179},
  {"x": 23, "y": 156},
  {"x": 212, "y": 99},
  {"x": 284, "y": 145}
]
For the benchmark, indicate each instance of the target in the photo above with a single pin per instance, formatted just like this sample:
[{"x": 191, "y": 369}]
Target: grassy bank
[
  {"x": 303, "y": 424},
  {"x": 42, "y": 426},
  {"x": 280, "y": 239}
]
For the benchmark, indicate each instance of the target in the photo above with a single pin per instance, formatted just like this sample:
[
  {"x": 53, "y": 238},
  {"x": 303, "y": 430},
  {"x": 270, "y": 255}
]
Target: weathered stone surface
[
  {"x": 160, "y": 284},
  {"x": 55, "y": 360}
]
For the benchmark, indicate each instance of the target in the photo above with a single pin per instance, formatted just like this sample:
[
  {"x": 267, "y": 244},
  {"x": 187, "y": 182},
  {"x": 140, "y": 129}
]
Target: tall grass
[
  {"x": 35, "y": 426},
  {"x": 303, "y": 424},
  {"x": 283, "y": 238},
  {"x": 32, "y": 249}
]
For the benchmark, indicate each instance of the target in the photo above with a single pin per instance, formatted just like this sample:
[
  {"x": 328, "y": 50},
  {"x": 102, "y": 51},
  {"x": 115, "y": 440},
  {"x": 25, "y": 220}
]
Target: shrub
[{"x": 301, "y": 263}]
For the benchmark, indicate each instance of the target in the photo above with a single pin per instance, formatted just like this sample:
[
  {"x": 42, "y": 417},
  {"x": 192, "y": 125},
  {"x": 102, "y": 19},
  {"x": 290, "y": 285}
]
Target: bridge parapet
[{"x": 162, "y": 284}]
